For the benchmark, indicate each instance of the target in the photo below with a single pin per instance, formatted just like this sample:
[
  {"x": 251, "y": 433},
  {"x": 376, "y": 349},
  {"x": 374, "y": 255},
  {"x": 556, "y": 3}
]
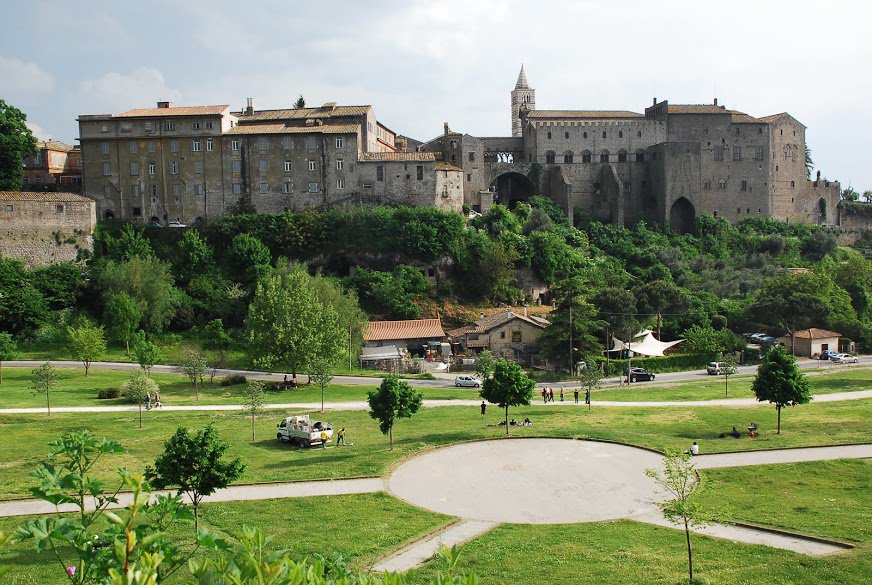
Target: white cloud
[
  {"x": 21, "y": 80},
  {"x": 38, "y": 131},
  {"x": 117, "y": 92}
]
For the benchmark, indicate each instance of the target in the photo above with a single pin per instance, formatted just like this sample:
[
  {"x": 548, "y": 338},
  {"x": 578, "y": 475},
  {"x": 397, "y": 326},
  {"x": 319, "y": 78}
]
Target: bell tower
[{"x": 523, "y": 96}]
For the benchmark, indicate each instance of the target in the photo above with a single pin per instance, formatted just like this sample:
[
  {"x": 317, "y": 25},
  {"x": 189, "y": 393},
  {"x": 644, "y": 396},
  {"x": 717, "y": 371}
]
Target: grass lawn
[
  {"x": 25, "y": 436},
  {"x": 628, "y": 552},
  {"x": 75, "y": 389},
  {"x": 824, "y": 498},
  {"x": 361, "y": 528},
  {"x": 839, "y": 379}
]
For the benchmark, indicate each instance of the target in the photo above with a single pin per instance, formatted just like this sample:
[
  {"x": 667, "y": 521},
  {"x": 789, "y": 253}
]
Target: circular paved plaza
[{"x": 530, "y": 481}]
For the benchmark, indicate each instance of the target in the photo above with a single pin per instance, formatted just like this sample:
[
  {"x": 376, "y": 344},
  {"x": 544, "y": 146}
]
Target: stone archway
[
  {"x": 682, "y": 216},
  {"x": 512, "y": 188},
  {"x": 108, "y": 215}
]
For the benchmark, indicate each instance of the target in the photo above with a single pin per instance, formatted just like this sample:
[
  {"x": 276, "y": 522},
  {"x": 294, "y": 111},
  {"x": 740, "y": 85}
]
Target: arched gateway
[
  {"x": 682, "y": 216},
  {"x": 511, "y": 188}
]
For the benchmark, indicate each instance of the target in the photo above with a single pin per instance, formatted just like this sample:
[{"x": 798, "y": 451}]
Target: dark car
[{"x": 640, "y": 375}]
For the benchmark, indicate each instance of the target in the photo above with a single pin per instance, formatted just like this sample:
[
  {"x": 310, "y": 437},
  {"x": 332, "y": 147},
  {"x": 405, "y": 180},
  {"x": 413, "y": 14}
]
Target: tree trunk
[
  {"x": 689, "y": 550},
  {"x": 322, "y": 397},
  {"x": 127, "y": 347},
  {"x": 48, "y": 400},
  {"x": 87, "y": 367},
  {"x": 197, "y": 389},
  {"x": 659, "y": 318},
  {"x": 252, "y": 425},
  {"x": 726, "y": 381},
  {"x": 140, "y": 414},
  {"x": 793, "y": 342},
  {"x": 196, "y": 515},
  {"x": 507, "y": 419},
  {"x": 391, "y": 435},
  {"x": 1, "y": 372},
  {"x": 778, "y": 410}
]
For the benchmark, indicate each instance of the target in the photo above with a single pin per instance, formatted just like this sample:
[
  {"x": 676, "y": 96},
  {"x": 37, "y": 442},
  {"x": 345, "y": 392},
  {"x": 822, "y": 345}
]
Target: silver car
[{"x": 467, "y": 381}]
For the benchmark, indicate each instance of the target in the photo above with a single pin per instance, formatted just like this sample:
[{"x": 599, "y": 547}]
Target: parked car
[
  {"x": 640, "y": 375},
  {"x": 303, "y": 431},
  {"x": 177, "y": 224},
  {"x": 828, "y": 354},
  {"x": 756, "y": 337},
  {"x": 768, "y": 340},
  {"x": 844, "y": 358},
  {"x": 714, "y": 369},
  {"x": 467, "y": 381}
]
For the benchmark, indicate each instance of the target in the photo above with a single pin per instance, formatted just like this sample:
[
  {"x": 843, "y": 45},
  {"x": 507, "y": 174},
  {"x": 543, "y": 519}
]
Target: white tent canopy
[
  {"x": 387, "y": 352},
  {"x": 644, "y": 343}
]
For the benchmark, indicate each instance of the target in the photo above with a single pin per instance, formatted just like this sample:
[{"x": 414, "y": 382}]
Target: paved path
[
  {"x": 423, "y": 550},
  {"x": 230, "y": 494},
  {"x": 772, "y": 456},
  {"x": 362, "y": 405}
]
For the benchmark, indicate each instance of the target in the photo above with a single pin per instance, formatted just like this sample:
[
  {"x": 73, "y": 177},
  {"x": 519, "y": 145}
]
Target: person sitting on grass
[
  {"x": 735, "y": 433},
  {"x": 528, "y": 422}
]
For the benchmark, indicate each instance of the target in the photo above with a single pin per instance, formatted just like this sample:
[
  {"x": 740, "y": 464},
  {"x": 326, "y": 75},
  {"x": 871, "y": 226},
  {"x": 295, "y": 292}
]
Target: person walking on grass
[
  {"x": 483, "y": 408},
  {"x": 156, "y": 398},
  {"x": 575, "y": 395},
  {"x": 323, "y": 439},
  {"x": 341, "y": 439},
  {"x": 561, "y": 394},
  {"x": 148, "y": 400},
  {"x": 551, "y": 394},
  {"x": 544, "y": 395}
]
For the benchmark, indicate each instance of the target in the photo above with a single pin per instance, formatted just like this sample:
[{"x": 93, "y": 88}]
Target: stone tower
[{"x": 523, "y": 95}]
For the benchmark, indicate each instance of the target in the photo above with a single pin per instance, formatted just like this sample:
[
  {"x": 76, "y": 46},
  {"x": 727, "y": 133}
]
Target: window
[
  {"x": 313, "y": 187},
  {"x": 137, "y": 191},
  {"x": 737, "y": 152},
  {"x": 340, "y": 142},
  {"x": 622, "y": 156},
  {"x": 104, "y": 147},
  {"x": 195, "y": 125},
  {"x": 453, "y": 143},
  {"x": 739, "y": 210},
  {"x": 234, "y": 145},
  {"x": 604, "y": 156},
  {"x": 620, "y": 133},
  {"x": 758, "y": 153},
  {"x": 148, "y": 126},
  {"x": 174, "y": 167},
  {"x": 210, "y": 124},
  {"x": 722, "y": 184},
  {"x": 471, "y": 156},
  {"x": 719, "y": 153},
  {"x": 132, "y": 147},
  {"x": 209, "y": 145},
  {"x": 367, "y": 185},
  {"x": 627, "y": 186},
  {"x": 236, "y": 166},
  {"x": 237, "y": 188},
  {"x": 288, "y": 166},
  {"x": 516, "y": 337},
  {"x": 640, "y": 156},
  {"x": 107, "y": 191},
  {"x": 311, "y": 143},
  {"x": 137, "y": 211},
  {"x": 177, "y": 191},
  {"x": 715, "y": 213},
  {"x": 198, "y": 166},
  {"x": 549, "y": 157},
  {"x": 107, "y": 169},
  {"x": 169, "y": 125},
  {"x": 339, "y": 164},
  {"x": 151, "y": 146},
  {"x": 264, "y": 187},
  {"x": 707, "y": 185},
  {"x": 134, "y": 168},
  {"x": 639, "y": 134},
  {"x": 793, "y": 184},
  {"x": 760, "y": 130},
  {"x": 262, "y": 165},
  {"x": 549, "y": 136},
  {"x": 287, "y": 143},
  {"x": 468, "y": 177},
  {"x": 196, "y": 145},
  {"x": 311, "y": 165},
  {"x": 584, "y": 134},
  {"x": 566, "y": 134},
  {"x": 10, "y": 209},
  {"x": 567, "y": 157},
  {"x": 604, "y": 134},
  {"x": 737, "y": 130},
  {"x": 419, "y": 172},
  {"x": 152, "y": 168},
  {"x": 174, "y": 145},
  {"x": 340, "y": 183},
  {"x": 744, "y": 185},
  {"x": 198, "y": 189},
  {"x": 585, "y": 156},
  {"x": 380, "y": 173},
  {"x": 155, "y": 191},
  {"x": 262, "y": 143}
]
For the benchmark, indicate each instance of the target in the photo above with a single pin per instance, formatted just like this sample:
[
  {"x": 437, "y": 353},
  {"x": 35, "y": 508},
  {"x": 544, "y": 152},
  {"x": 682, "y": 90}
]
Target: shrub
[
  {"x": 109, "y": 393},
  {"x": 670, "y": 363},
  {"x": 233, "y": 380}
]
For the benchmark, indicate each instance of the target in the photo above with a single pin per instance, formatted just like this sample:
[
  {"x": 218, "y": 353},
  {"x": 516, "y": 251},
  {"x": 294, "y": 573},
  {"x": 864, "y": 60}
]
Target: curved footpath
[{"x": 362, "y": 405}]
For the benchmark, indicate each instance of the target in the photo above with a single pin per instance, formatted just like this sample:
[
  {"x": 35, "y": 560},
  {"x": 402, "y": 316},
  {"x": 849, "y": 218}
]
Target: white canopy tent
[
  {"x": 387, "y": 352},
  {"x": 644, "y": 343}
]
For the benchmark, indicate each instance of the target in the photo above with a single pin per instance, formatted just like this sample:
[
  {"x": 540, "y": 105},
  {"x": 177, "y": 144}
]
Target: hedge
[{"x": 671, "y": 363}]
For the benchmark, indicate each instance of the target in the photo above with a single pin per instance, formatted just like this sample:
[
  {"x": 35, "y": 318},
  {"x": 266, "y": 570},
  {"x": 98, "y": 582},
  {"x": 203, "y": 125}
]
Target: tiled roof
[
  {"x": 410, "y": 156},
  {"x": 814, "y": 333},
  {"x": 43, "y": 196},
  {"x": 461, "y": 330},
  {"x": 697, "y": 109},
  {"x": 586, "y": 114},
  {"x": 166, "y": 112},
  {"x": 282, "y": 129},
  {"x": 743, "y": 118},
  {"x": 55, "y": 145},
  {"x": 417, "y": 329},
  {"x": 444, "y": 166},
  {"x": 494, "y": 320},
  {"x": 302, "y": 113}
]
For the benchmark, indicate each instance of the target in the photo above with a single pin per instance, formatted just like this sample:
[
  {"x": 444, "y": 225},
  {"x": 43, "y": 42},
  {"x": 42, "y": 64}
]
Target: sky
[{"x": 423, "y": 63}]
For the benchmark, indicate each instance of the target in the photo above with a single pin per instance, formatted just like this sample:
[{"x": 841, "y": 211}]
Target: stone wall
[{"x": 44, "y": 232}]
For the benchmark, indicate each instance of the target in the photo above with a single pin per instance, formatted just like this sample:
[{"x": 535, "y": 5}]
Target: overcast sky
[{"x": 422, "y": 63}]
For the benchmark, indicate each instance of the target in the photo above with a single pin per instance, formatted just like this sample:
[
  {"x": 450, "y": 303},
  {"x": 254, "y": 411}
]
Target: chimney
[
  {"x": 655, "y": 102},
  {"x": 446, "y": 128},
  {"x": 716, "y": 101},
  {"x": 164, "y": 105},
  {"x": 249, "y": 106}
]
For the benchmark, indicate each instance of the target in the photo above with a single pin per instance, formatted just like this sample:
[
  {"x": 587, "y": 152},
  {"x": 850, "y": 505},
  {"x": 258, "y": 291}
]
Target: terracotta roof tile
[
  {"x": 488, "y": 322},
  {"x": 168, "y": 112},
  {"x": 814, "y": 333},
  {"x": 591, "y": 114},
  {"x": 282, "y": 129},
  {"x": 43, "y": 196},
  {"x": 697, "y": 109},
  {"x": 410, "y": 156},
  {"x": 302, "y": 113},
  {"x": 445, "y": 166},
  {"x": 417, "y": 329},
  {"x": 55, "y": 145},
  {"x": 743, "y": 118}
]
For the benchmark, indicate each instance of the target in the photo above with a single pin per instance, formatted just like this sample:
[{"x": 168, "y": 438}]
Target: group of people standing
[
  {"x": 148, "y": 400},
  {"x": 548, "y": 395}
]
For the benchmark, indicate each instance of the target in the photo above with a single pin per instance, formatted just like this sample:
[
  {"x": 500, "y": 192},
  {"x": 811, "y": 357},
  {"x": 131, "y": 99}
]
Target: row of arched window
[{"x": 587, "y": 156}]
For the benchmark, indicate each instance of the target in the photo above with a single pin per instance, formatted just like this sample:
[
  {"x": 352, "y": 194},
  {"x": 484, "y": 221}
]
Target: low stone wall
[{"x": 40, "y": 247}]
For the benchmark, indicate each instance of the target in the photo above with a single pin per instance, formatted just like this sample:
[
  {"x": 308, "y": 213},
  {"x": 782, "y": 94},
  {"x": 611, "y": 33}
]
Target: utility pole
[{"x": 570, "y": 336}]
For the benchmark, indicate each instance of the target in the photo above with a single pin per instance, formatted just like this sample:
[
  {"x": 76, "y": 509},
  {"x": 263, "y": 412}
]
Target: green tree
[
  {"x": 216, "y": 336},
  {"x": 705, "y": 339},
  {"x": 498, "y": 273},
  {"x": 288, "y": 327},
  {"x": 194, "y": 365},
  {"x": 194, "y": 465},
  {"x": 194, "y": 257},
  {"x": 508, "y": 387},
  {"x": 681, "y": 484},
  {"x": 86, "y": 343},
  {"x": 249, "y": 258},
  {"x": 658, "y": 297},
  {"x": 729, "y": 364},
  {"x": 130, "y": 242},
  {"x": 350, "y": 316},
  {"x": 16, "y": 143},
  {"x": 149, "y": 282},
  {"x": 792, "y": 310},
  {"x": 8, "y": 351},
  {"x": 252, "y": 400},
  {"x": 146, "y": 353},
  {"x": 574, "y": 324},
  {"x": 809, "y": 163},
  {"x": 392, "y": 400},
  {"x": 300, "y": 103},
  {"x": 43, "y": 380},
  {"x": 121, "y": 316},
  {"x": 137, "y": 388},
  {"x": 780, "y": 382},
  {"x": 590, "y": 377},
  {"x": 322, "y": 374},
  {"x": 485, "y": 362}
]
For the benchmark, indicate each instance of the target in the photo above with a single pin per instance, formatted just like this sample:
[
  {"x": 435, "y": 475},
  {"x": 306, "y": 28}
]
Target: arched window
[
  {"x": 622, "y": 156},
  {"x": 550, "y": 157},
  {"x": 604, "y": 156},
  {"x": 107, "y": 215},
  {"x": 722, "y": 184},
  {"x": 640, "y": 156},
  {"x": 793, "y": 184},
  {"x": 568, "y": 157},
  {"x": 586, "y": 156}
]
